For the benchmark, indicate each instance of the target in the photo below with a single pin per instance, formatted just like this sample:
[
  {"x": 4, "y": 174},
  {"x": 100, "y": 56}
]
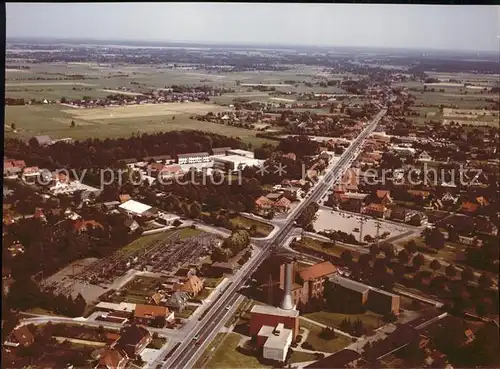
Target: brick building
[{"x": 262, "y": 315}]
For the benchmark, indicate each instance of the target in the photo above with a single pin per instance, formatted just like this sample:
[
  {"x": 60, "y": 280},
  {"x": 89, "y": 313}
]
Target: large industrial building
[
  {"x": 353, "y": 295},
  {"x": 231, "y": 163}
]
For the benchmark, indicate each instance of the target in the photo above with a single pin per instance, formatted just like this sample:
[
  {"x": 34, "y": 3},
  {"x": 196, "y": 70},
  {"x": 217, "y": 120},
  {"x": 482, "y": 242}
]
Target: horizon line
[{"x": 239, "y": 43}]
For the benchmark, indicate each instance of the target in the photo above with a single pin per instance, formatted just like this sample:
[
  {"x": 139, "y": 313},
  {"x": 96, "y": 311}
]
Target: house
[
  {"x": 172, "y": 170},
  {"x": 124, "y": 198},
  {"x": 43, "y": 140},
  {"x": 282, "y": 205},
  {"x": 290, "y": 155},
  {"x": 133, "y": 339},
  {"x": 469, "y": 207},
  {"x": 424, "y": 156},
  {"x": 377, "y": 210},
  {"x": 448, "y": 198},
  {"x": 419, "y": 194},
  {"x": 112, "y": 358},
  {"x": 81, "y": 226},
  {"x": 351, "y": 201},
  {"x": 192, "y": 286},
  {"x": 157, "y": 298},
  {"x": 177, "y": 301},
  {"x": 292, "y": 193},
  {"x": 31, "y": 173},
  {"x": 150, "y": 314},
  {"x": 273, "y": 196},
  {"x": 401, "y": 214},
  {"x": 21, "y": 336},
  {"x": 263, "y": 203},
  {"x": 193, "y": 158},
  {"x": 384, "y": 197},
  {"x": 132, "y": 225}
]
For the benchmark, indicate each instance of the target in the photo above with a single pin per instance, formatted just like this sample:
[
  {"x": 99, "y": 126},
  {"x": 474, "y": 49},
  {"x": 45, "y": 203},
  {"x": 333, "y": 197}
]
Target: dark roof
[
  {"x": 158, "y": 157},
  {"x": 132, "y": 335},
  {"x": 192, "y": 154},
  {"x": 128, "y": 161},
  {"x": 340, "y": 359}
]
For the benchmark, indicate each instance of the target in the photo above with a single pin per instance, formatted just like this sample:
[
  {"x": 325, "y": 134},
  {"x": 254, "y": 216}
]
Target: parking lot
[{"x": 349, "y": 223}]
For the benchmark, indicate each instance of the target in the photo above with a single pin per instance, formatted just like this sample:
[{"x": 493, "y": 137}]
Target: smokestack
[{"x": 287, "y": 303}]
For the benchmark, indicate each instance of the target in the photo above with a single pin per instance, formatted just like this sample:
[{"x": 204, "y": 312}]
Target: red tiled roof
[
  {"x": 317, "y": 271},
  {"x": 383, "y": 193},
  {"x": 376, "y": 207},
  {"x": 150, "y": 311},
  {"x": 172, "y": 169},
  {"x": 469, "y": 206},
  {"x": 283, "y": 203},
  {"x": 263, "y": 201}
]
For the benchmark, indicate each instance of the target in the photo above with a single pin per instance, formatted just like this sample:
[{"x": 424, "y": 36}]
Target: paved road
[{"x": 183, "y": 356}]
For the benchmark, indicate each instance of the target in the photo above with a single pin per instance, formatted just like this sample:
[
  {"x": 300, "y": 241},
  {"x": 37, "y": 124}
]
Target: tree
[
  {"x": 13, "y": 126},
  {"x": 485, "y": 280},
  {"x": 347, "y": 257},
  {"x": 195, "y": 210},
  {"x": 451, "y": 271},
  {"x": 411, "y": 246},
  {"x": 434, "y": 238},
  {"x": 73, "y": 124},
  {"x": 435, "y": 265},
  {"x": 308, "y": 215},
  {"x": 374, "y": 249},
  {"x": 467, "y": 275},
  {"x": 403, "y": 256},
  {"x": 418, "y": 261}
]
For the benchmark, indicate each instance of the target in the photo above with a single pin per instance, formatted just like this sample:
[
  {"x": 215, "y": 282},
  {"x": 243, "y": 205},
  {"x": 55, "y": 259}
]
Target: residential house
[
  {"x": 282, "y": 205},
  {"x": 274, "y": 196},
  {"x": 263, "y": 203},
  {"x": 290, "y": 155},
  {"x": 377, "y": 210},
  {"x": 112, "y": 358},
  {"x": 351, "y": 201},
  {"x": 292, "y": 193},
  {"x": 81, "y": 226},
  {"x": 424, "y": 156},
  {"x": 21, "y": 336},
  {"x": 384, "y": 197},
  {"x": 177, "y": 301},
  {"x": 449, "y": 199},
  {"x": 424, "y": 195},
  {"x": 350, "y": 180},
  {"x": 192, "y": 286},
  {"x": 132, "y": 225},
  {"x": 133, "y": 339},
  {"x": 124, "y": 198},
  {"x": 171, "y": 170},
  {"x": 401, "y": 214},
  {"x": 30, "y": 174},
  {"x": 157, "y": 298},
  {"x": 150, "y": 314},
  {"x": 469, "y": 207}
]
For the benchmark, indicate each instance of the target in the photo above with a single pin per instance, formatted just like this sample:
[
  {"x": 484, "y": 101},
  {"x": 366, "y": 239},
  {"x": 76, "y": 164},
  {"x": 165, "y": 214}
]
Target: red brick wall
[{"x": 258, "y": 320}]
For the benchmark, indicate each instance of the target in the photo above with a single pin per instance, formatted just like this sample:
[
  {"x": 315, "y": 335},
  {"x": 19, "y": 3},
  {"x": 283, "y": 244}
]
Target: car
[
  {"x": 228, "y": 307},
  {"x": 196, "y": 338}
]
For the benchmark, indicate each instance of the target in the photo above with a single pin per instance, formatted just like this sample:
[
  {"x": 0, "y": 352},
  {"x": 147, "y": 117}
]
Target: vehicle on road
[
  {"x": 228, "y": 307},
  {"x": 196, "y": 338}
]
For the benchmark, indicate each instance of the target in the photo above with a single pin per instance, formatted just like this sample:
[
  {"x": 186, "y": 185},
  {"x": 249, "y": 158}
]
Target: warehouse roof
[{"x": 135, "y": 207}]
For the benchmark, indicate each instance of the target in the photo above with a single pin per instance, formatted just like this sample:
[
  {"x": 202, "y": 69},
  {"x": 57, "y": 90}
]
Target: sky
[{"x": 467, "y": 28}]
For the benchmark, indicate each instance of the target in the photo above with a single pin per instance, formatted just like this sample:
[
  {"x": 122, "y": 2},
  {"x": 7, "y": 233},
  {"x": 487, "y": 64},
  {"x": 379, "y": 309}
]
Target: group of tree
[
  {"x": 25, "y": 294},
  {"x": 307, "y": 216},
  {"x": 355, "y": 328},
  {"x": 95, "y": 153},
  {"x": 232, "y": 245}
]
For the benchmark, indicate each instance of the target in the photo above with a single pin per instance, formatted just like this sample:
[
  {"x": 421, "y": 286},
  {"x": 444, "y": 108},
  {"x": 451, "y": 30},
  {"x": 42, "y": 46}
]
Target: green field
[
  {"x": 324, "y": 345},
  {"x": 226, "y": 355},
  {"x": 262, "y": 229},
  {"x": 54, "y": 120}
]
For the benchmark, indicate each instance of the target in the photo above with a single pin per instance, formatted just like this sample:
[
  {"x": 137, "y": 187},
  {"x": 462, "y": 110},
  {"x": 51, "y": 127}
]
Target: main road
[{"x": 184, "y": 356}]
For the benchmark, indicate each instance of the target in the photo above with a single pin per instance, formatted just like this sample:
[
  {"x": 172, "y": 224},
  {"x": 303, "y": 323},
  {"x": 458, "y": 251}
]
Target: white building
[
  {"x": 232, "y": 163},
  {"x": 122, "y": 306},
  {"x": 135, "y": 208},
  {"x": 278, "y": 342},
  {"x": 167, "y": 218},
  {"x": 193, "y": 158},
  {"x": 239, "y": 152}
]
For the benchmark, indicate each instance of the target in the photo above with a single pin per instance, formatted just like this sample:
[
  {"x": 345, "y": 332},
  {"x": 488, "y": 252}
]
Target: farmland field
[{"x": 54, "y": 120}]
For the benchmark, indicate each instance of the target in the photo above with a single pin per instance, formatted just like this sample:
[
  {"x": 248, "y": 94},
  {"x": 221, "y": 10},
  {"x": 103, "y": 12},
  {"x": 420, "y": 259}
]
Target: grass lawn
[
  {"x": 205, "y": 292},
  {"x": 262, "y": 229},
  {"x": 320, "y": 344},
  {"x": 212, "y": 282},
  {"x": 226, "y": 355},
  {"x": 186, "y": 312},
  {"x": 157, "y": 343},
  {"x": 326, "y": 247},
  {"x": 54, "y": 120},
  {"x": 370, "y": 319},
  {"x": 300, "y": 357}
]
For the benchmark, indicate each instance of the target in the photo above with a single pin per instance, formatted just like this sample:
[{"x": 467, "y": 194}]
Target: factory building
[{"x": 233, "y": 163}]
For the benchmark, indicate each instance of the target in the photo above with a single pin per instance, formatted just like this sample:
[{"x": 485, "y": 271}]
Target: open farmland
[
  {"x": 54, "y": 120},
  {"x": 139, "y": 111}
]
